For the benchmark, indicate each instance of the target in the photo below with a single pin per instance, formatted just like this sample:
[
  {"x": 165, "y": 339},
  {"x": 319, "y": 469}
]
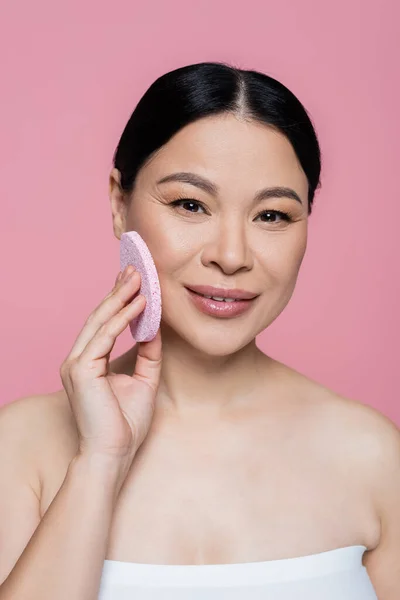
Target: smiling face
[{"x": 214, "y": 227}]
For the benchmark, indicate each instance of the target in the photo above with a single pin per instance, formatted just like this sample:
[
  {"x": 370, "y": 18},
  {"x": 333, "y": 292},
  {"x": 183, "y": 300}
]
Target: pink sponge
[{"x": 134, "y": 251}]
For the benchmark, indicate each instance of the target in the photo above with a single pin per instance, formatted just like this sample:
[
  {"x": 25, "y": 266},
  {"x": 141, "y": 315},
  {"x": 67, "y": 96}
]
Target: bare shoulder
[
  {"x": 353, "y": 430},
  {"x": 371, "y": 441},
  {"x": 361, "y": 436},
  {"x": 359, "y": 423},
  {"x": 40, "y": 431},
  {"x": 38, "y": 417},
  {"x": 36, "y": 435},
  {"x": 371, "y": 434}
]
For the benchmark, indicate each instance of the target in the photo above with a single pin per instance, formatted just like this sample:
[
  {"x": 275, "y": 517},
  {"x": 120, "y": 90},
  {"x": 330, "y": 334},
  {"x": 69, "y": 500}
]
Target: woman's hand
[{"x": 113, "y": 412}]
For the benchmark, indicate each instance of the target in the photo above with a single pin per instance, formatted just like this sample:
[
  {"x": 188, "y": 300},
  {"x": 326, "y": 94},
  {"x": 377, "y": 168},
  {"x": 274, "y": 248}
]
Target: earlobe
[{"x": 118, "y": 230}]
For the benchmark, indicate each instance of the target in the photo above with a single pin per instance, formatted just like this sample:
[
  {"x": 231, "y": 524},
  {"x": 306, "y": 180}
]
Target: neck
[{"x": 195, "y": 385}]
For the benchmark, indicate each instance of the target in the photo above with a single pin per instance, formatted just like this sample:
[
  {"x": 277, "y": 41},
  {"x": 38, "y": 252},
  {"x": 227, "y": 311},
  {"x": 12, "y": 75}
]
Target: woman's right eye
[{"x": 188, "y": 202}]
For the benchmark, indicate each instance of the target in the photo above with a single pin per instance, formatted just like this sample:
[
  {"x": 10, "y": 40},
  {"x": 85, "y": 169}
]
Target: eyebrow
[{"x": 210, "y": 188}]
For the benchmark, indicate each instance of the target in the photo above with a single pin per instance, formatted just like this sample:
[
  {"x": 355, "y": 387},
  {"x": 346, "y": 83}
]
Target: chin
[
  {"x": 218, "y": 346},
  {"x": 218, "y": 338}
]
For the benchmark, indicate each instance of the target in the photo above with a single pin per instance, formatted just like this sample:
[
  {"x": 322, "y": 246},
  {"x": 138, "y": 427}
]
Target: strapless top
[{"x": 332, "y": 575}]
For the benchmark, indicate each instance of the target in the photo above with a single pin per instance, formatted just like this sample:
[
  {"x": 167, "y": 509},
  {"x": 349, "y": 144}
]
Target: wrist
[
  {"x": 97, "y": 466},
  {"x": 108, "y": 471}
]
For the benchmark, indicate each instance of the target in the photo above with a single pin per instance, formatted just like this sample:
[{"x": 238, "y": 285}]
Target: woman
[{"x": 202, "y": 468}]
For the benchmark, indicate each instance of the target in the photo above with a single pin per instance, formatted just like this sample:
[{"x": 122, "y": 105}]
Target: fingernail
[{"x": 128, "y": 273}]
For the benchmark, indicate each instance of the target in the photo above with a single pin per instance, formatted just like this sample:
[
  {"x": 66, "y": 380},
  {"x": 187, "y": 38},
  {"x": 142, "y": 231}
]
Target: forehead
[{"x": 230, "y": 151}]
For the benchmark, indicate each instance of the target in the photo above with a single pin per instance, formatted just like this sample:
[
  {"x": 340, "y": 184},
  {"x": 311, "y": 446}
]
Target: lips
[
  {"x": 220, "y": 308},
  {"x": 211, "y": 291}
]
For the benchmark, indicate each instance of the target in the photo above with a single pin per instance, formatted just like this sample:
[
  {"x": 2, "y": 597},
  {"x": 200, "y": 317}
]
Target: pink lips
[
  {"x": 219, "y": 308},
  {"x": 209, "y": 290}
]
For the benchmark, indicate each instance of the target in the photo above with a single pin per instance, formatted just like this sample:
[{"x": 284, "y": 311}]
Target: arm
[
  {"x": 64, "y": 557},
  {"x": 60, "y": 557},
  {"x": 383, "y": 563}
]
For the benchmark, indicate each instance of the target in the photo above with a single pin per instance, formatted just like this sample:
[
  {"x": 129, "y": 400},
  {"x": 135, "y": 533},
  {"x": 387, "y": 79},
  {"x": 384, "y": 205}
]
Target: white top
[{"x": 333, "y": 575}]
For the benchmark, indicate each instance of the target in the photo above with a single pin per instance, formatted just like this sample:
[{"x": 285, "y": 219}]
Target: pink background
[{"x": 71, "y": 75}]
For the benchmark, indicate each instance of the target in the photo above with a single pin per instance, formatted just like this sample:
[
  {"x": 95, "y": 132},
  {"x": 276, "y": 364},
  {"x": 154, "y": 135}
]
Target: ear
[{"x": 119, "y": 203}]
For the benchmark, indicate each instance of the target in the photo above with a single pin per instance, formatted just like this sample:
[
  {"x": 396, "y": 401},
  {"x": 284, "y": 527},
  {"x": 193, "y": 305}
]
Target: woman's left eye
[{"x": 283, "y": 216}]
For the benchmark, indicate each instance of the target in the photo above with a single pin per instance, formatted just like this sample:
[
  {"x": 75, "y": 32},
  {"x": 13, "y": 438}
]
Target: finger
[
  {"x": 96, "y": 353},
  {"x": 148, "y": 361},
  {"x": 113, "y": 303},
  {"x": 117, "y": 284}
]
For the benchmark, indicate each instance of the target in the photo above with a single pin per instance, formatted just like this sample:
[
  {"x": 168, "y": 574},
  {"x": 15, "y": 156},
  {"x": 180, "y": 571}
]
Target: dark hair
[{"x": 209, "y": 88}]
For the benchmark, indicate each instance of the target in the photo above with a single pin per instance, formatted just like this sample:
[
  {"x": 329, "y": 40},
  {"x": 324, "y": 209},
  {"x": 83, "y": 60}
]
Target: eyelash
[{"x": 284, "y": 215}]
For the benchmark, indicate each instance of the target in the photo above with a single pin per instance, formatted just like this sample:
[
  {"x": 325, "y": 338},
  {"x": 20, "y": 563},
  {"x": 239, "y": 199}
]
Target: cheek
[
  {"x": 284, "y": 257},
  {"x": 168, "y": 244},
  {"x": 171, "y": 250}
]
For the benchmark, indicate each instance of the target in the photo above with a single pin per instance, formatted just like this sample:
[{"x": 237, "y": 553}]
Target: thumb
[{"x": 148, "y": 362}]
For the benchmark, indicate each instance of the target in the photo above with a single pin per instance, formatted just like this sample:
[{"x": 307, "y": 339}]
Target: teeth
[{"x": 220, "y": 299}]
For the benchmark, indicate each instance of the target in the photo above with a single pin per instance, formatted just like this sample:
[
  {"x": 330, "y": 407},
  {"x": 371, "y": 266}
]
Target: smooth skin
[{"x": 243, "y": 459}]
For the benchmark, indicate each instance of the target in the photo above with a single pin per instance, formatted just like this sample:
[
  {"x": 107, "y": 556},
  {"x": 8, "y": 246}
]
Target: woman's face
[{"x": 219, "y": 231}]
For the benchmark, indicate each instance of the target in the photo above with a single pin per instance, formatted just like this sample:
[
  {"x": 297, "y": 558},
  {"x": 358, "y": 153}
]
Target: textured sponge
[{"x": 134, "y": 251}]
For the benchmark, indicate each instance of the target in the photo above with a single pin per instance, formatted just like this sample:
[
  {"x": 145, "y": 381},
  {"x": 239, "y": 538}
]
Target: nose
[{"x": 228, "y": 247}]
